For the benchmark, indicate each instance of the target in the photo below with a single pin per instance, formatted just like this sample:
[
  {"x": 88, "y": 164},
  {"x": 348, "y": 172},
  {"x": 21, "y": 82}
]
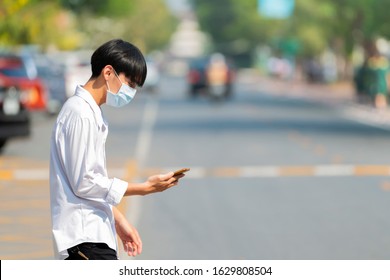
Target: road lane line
[
  {"x": 255, "y": 171},
  {"x": 31, "y": 174},
  {"x": 145, "y": 135},
  {"x": 225, "y": 172},
  {"x": 334, "y": 170},
  {"x": 296, "y": 171},
  {"x": 6, "y": 175},
  {"x": 379, "y": 170},
  {"x": 132, "y": 172},
  {"x": 131, "y": 205},
  {"x": 44, "y": 254}
]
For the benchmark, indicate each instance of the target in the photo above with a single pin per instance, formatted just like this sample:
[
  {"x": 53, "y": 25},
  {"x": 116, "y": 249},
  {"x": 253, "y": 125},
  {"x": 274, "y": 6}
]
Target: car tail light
[{"x": 33, "y": 98}]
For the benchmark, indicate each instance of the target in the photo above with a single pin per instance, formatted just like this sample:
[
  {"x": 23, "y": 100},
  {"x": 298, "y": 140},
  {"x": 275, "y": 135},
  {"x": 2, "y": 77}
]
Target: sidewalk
[
  {"x": 340, "y": 91},
  {"x": 341, "y": 94}
]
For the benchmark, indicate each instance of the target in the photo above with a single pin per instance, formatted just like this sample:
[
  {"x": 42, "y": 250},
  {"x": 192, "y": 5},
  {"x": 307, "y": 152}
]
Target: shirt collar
[{"x": 87, "y": 96}]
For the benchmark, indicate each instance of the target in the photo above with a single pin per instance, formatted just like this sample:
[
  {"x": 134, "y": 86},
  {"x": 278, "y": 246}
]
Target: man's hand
[
  {"x": 131, "y": 240},
  {"x": 155, "y": 183}
]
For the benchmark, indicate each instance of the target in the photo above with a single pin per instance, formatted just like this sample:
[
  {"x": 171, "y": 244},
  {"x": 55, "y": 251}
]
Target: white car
[{"x": 152, "y": 76}]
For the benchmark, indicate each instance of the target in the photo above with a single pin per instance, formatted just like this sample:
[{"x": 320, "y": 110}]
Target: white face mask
[{"x": 122, "y": 97}]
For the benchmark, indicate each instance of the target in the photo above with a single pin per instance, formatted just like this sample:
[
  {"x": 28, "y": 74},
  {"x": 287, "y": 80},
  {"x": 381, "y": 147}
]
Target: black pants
[{"x": 91, "y": 251}]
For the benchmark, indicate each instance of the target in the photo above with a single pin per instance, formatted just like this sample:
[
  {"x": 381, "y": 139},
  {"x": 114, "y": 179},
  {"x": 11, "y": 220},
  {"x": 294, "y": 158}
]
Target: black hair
[{"x": 124, "y": 57}]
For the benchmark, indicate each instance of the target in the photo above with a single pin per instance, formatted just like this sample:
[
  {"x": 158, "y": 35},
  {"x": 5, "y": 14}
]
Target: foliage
[
  {"x": 315, "y": 24},
  {"x": 70, "y": 24},
  {"x": 22, "y": 26},
  {"x": 148, "y": 24}
]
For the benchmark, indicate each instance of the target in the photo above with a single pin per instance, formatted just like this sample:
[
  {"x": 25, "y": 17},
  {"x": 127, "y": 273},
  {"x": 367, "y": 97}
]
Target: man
[{"x": 85, "y": 220}]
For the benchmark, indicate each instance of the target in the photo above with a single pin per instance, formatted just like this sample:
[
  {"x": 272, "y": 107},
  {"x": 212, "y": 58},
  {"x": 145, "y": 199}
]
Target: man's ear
[{"x": 107, "y": 71}]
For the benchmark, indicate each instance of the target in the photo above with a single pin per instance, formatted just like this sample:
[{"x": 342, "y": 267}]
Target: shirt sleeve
[{"x": 86, "y": 175}]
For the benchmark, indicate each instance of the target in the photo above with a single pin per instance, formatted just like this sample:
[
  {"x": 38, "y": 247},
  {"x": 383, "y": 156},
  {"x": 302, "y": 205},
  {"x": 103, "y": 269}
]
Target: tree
[
  {"x": 316, "y": 25},
  {"x": 146, "y": 23},
  {"x": 70, "y": 24},
  {"x": 26, "y": 22},
  {"x": 236, "y": 29}
]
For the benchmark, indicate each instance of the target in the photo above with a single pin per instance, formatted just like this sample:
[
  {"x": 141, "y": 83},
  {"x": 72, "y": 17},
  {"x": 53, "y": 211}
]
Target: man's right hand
[{"x": 155, "y": 183}]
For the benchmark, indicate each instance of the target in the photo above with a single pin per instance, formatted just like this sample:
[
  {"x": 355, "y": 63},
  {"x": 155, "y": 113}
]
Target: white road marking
[
  {"x": 331, "y": 170},
  {"x": 146, "y": 133},
  {"x": 334, "y": 170},
  {"x": 259, "y": 171},
  {"x": 141, "y": 154}
]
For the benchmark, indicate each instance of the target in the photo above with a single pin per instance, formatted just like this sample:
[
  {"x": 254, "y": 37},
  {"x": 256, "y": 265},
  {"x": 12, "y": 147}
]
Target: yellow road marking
[
  {"x": 6, "y": 175},
  {"x": 225, "y": 172},
  {"x": 370, "y": 170},
  {"x": 24, "y": 204},
  {"x": 45, "y": 254}
]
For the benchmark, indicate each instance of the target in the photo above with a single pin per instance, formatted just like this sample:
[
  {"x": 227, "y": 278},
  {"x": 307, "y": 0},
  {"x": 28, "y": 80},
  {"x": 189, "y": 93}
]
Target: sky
[{"x": 178, "y": 5}]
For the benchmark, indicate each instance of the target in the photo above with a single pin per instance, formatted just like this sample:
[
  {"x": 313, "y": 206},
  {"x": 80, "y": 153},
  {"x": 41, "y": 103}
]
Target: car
[
  {"x": 53, "y": 76},
  {"x": 212, "y": 75},
  {"x": 196, "y": 75},
  {"x": 20, "y": 72},
  {"x": 153, "y": 75},
  {"x": 14, "y": 116}
]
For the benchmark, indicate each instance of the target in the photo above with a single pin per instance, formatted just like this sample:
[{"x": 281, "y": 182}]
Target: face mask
[{"x": 122, "y": 97}]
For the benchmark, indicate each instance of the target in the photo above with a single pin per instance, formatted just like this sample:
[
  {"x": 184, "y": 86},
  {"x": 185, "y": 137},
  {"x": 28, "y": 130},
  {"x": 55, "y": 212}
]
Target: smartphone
[{"x": 180, "y": 171}]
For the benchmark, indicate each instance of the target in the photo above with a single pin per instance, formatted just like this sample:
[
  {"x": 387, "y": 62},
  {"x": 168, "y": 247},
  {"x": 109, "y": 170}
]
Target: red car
[{"x": 21, "y": 72}]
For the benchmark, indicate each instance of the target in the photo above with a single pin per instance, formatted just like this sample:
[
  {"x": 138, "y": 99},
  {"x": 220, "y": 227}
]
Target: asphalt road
[{"x": 271, "y": 177}]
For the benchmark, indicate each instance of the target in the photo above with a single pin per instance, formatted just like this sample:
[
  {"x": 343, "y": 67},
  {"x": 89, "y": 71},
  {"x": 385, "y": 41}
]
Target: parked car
[
  {"x": 212, "y": 75},
  {"x": 53, "y": 76},
  {"x": 196, "y": 76},
  {"x": 153, "y": 75},
  {"x": 20, "y": 71},
  {"x": 14, "y": 117}
]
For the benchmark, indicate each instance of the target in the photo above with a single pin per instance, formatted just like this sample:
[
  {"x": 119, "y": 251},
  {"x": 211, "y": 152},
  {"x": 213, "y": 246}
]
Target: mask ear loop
[{"x": 116, "y": 74}]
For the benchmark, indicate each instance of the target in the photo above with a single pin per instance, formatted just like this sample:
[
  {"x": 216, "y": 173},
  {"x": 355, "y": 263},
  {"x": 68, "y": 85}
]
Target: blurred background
[{"x": 279, "y": 107}]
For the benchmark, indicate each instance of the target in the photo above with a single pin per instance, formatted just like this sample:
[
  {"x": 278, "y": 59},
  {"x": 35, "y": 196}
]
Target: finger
[
  {"x": 166, "y": 176},
  {"x": 174, "y": 183},
  {"x": 174, "y": 179},
  {"x": 137, "y": 249},
  {"x": 127, "y": 248},
  {"x": 139, "y": 243},
  {"x": 179, "y": 176},
  {"x": 140, "y": 248},
  {"x": 132, "y": 249}
]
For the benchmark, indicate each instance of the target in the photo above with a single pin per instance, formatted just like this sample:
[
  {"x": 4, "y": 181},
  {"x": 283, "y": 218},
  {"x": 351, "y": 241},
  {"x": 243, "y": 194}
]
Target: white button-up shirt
[{"x": 81, "y": 194}]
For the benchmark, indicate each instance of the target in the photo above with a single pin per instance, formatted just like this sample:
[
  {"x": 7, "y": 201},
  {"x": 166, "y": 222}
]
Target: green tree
[
  {"x": 231, "y": 26},
  {"x": 147, "y": 23},
  {"x": 69, "y": 24},
  {"x": 314, "y": 26},
  {"x": 359, "y": 21},
  {"x": 37, "y": 22}
]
